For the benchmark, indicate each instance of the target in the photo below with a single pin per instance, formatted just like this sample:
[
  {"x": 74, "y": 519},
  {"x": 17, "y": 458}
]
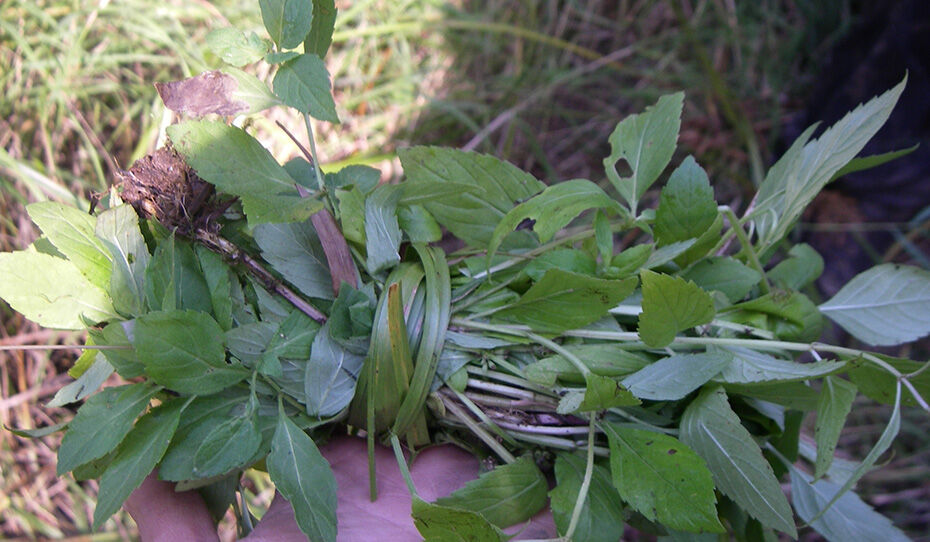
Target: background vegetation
[{"x": 538, "y": 82}]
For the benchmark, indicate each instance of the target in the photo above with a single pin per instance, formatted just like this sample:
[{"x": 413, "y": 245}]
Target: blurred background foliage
[{"x": 540, "y": 83}]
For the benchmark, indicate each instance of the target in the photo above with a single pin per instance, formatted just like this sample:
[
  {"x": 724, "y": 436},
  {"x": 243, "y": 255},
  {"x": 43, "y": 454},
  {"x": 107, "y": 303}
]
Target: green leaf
[
  {"x": 601, "y": 517},
  {"x": 201, "y": 417},
  {"x": 101, "y": 423},
  {"x": 849, "y": 518},
  {"x": 230, "y": 445},
  {"x": 303, "y": 83},
  {"x": 671, "y": 304},
  {"x": 173, "y": 279},
  {"x": 552, "y": 210},
  {"x": 321, "y": 27},
  {"x": 216, "y": 274},
  {"x": 507, "y": 495},
  {"x": 629, "y": 261},
  {"x": 38, "y": 432},
  {"x": 237, "y": 164},
  {"x": 687, "y": 208},
  {"x": 86, "y": 384},
  {"x": 51, "y": 291},
  {"x": 250, "y": 91},
  {"x": 235, "y": 47},
  {"x": 674, "y": 377},
  {"x": 382, "y": 232},
  {"x": 795, "y": 395},
  {"x": 295, "y": 251},
  {"x": 444, "y": 524},
  {"x": 136, "y": 457},
  {"x": 884, "y": 442},
  {"x": 608, "y": 359},
  {"x": 72, "y": 233},
  {"x": 118, "y": 229},
  {"x": 329, "y": 383},
  {"x": 662, "y": 479},
  {"x": 714, "y": 431},
  {"x": 563, "y": 300},
  {"x": 836, "y": 399},
  {"x": 418, "y": 224},
  {"x": 471, "y": 216},
  {"x": 304, "y": 478},
  {"x": 287, "y": 21},
  {"x": 602, "y": 392},
  {"x": 750, "y": 366},
  {"x": 668, "y": 253},
  {"x": 184, "y": 351},
  {"x": 292, "y": 339},
  {"x": 802, "y": 267},
  {"x": 726, "y": 275},
  {"x": 567, "y": 259},
  {"x": 878, "y": 384},
  {"x": 280, "y": 57},
  {"x": 884, "y": 306},
  {"x": 646, "y": 142},
  {"x": 862, "y": 163},
  {"x": 789, "y": 314},
  {"x": 793, "y": 182},
  {"x": 125, "y": 362}
]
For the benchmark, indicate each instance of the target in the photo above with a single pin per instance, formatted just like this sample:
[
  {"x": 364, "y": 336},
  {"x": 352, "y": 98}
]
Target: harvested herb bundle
[{"x": 257, "y": 309}]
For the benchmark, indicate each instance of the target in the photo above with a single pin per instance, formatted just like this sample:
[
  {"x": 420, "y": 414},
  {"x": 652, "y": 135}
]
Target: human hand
[{"x": 163, "y": 515}]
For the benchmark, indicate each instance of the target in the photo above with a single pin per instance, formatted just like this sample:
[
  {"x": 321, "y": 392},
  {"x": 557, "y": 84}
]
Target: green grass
[{"x": 541, "y": 83}]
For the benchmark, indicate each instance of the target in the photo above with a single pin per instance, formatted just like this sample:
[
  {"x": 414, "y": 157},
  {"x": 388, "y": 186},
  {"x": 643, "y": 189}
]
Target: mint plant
[{"x": 256, "y": 308}]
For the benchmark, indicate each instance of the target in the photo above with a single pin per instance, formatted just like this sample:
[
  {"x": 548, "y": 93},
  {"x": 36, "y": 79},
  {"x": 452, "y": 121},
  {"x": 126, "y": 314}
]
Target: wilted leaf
[{"x": 216, "y": 93}]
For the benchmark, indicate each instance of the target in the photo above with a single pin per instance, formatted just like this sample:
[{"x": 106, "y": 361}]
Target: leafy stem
[{"x": 737, "y": 228}]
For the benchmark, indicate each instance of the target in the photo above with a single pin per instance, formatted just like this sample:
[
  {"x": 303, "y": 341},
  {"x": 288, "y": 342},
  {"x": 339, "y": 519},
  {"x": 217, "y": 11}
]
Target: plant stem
[
  {"x": 316, "y": 160},
  {"x": 747, "y": 246},
  {"x": 13, "y": 347},
  {"x": 585, "y": 483},
  {"x": 492, "y": 443},
  {"x": 402, "y": 465}
]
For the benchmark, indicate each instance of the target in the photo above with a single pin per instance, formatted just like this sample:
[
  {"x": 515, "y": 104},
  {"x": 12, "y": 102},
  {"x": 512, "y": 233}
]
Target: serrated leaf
[
  {"x": 72, "y": 233},
  {"x": 125, "y": 361},
  {"x": 714, "y": 431},
  {"x": 884, "y": 306},
  {"x": 789, "y": 314},
  {"x": 101, "y": 423},
  {"x": 726, "y": 275},
  {"x": 750, "y": 366},
  {"x": 836, "y": 399},
  {"x": 51, "y": 291},
  {"x": 295, "y": 251},
  {"x": 601, "y": 517},
  {"x": 674, "y": 377},
  {"x": 235, "y": 47},
  {"x": 237, "y": 164},
  {"x": 291, "y": 339},
  {"x": 85, "y": 385},
  {"x": 303, "y": 83},
  {"x": 551, "y": 210},
  {"x": 321, "y": 28},
  {"x": 118, "y": 229},
  {"x": 793, "y": 182},
  {"x": 302, "y": 475},
  {"x": 629, "y": 261},
  {"x": 687, "y": 208},
  {"x": 444, "y": 524},
  {"x": 646, "y": 142},
  {"x": 184, "y": 351},
  {"x": 382, "y": 232},
  {"x": 602, "y": 392},
  {"x": 849, "y": 518},
  {"x": 331, "y": 375},
  {"x": 136, "y": 457},
  {"x": 662, "y": 479},
  {"x": 507, "y": 495},
  {"x": 496, "y": 186},
  {"x": 802, "y": 267},
  {"x": 287, "y": 21},
  {"x": 563, "y": 300},
  {"x": 230, "y": 445},
  {"x": 671, "y": 304}
]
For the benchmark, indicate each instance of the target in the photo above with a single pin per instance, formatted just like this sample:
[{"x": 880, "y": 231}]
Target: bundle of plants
[{"x": 655, "y": 366}]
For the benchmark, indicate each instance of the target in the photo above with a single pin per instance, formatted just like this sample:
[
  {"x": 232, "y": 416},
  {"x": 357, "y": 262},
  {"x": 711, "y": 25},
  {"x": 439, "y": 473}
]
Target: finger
[
  {"x": 278, "y": 524},
  {"x": 165, "y": 515}
]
